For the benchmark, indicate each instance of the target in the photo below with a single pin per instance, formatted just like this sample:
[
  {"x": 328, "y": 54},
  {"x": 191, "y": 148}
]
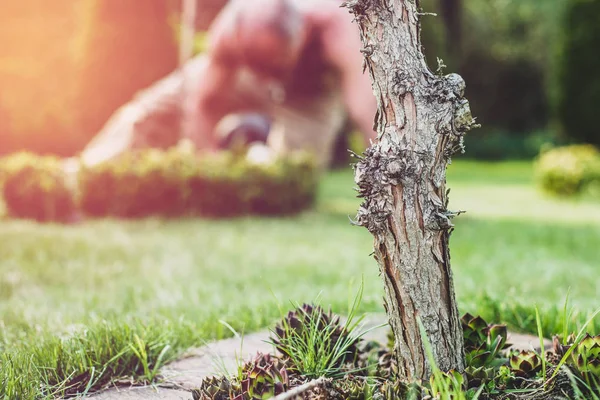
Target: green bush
[
  {"x": 35, "y": 187},
  {"x": 175, "y": 183},
  {"x": 578, "y": 73},
  {"x": 568, "y": 170}
]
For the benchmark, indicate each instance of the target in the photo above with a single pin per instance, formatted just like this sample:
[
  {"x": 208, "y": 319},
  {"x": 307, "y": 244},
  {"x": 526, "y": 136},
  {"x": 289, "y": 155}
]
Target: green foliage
[
  {"x": 540, "y": 331},
  {"x": 525, "y": 363},
  {"x": 483, "y": 342},
  {"x": 447, "y": 385},
  {"x": 174, "y": 182},
  {"x": 577, "y": 351},
  {"x": 581, "y": 355},
  {"x": 586, "y": 359},
  {"x": 478, "y": 376},
  {"x": 483, "y": 346},
  {"x": 509, "y": 96},
  {"x": 36, "y": 188},
  {"x": 520, "y": 316},
  {"x": 568, "y": 170},
  {"x": 506, "y": 62},
  {"x": 578, "y": 73}
]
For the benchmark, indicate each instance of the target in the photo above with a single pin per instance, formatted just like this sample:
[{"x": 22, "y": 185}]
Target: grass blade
[
  {"x": 580, "y": 335},
  {"x": 541, "y": 337}
]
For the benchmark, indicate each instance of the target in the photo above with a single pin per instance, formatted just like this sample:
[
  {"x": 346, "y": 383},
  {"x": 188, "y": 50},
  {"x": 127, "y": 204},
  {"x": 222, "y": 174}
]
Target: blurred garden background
[{"x": 74, "y": 296}]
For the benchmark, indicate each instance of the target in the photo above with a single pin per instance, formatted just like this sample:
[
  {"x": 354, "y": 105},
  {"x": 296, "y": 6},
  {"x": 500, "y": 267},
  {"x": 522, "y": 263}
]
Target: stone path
[{"x": 215, "y": 358}]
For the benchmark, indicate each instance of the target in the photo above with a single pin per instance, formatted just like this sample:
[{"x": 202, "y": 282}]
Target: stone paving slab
[
  {"x": 139, "y": 393},
  {"x": 210, "y": 360},
  {"x": 188, "y": 372},
  {"x": 215, "y": 359}
]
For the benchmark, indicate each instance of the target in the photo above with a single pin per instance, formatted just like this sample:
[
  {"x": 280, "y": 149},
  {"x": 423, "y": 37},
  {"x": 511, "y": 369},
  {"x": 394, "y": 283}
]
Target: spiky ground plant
[
  {"x": 308, "y": 332},
  {"x": 262, "y": 378},
  {"x": 582, "y": 357},
  {"x": 525, "y": 364},
  {"x": 371, "y": 372},
  {"x": 215, "y": 388},
  {"x": 483, "y": 342},
  {"x": 316, "y": 343}
]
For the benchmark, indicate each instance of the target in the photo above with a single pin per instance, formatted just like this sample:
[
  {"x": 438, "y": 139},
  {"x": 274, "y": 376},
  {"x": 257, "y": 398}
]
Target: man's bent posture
[{"x": 296, "y": 62}]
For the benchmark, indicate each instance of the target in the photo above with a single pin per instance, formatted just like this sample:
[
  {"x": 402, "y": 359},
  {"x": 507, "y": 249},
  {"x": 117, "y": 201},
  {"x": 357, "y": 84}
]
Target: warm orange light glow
[{"x": 66, "y": 65}]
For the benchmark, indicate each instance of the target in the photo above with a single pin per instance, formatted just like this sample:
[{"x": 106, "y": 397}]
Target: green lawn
[{"x": 174, "y": 280}]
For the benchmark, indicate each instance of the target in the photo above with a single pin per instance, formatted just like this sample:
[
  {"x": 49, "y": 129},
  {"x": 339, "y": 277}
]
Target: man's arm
[{"x": 206, "y": 102}]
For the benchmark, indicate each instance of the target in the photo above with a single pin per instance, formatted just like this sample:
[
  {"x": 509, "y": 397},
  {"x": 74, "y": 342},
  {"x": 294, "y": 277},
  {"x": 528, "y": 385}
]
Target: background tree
[
  {"x": 451, "y": 11},
  {"x": 421, "y": 120},
  {"x": 578, "y": 72}
]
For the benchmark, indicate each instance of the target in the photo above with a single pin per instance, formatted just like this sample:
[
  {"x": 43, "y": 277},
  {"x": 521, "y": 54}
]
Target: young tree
[{"x": 421, "y": 120}]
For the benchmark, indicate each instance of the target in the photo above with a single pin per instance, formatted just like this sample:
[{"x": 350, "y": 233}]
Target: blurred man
[{"x": 296, "y": 62}]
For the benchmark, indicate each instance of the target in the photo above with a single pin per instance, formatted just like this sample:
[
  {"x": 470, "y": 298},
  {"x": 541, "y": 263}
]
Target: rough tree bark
[{"x": 421, "y": 120}]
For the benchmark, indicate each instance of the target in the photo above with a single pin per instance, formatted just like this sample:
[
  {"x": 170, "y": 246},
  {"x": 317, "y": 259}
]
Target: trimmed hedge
[
  {"x": 167, "y": 183},
  {"x": 569, "y": 170},
  {"x": 35, "y": 187}
]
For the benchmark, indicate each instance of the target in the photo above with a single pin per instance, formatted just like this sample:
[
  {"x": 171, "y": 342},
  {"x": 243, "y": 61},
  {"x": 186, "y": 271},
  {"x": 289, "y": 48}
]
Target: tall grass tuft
[
  {"x": 88, "y": 361},
  {"x": 311, "y": 348}
]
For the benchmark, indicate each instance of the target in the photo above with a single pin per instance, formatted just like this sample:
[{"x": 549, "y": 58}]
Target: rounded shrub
[
  {"x": 578, "y": 78},
  {"x": 35, "y": 187},
  {"x": 568, "y": 170},
  {"x": 177, "y": 182}
]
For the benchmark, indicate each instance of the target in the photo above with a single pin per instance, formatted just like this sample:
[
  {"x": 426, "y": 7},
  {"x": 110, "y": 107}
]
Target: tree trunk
[{"x": 420, "y": 121}]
